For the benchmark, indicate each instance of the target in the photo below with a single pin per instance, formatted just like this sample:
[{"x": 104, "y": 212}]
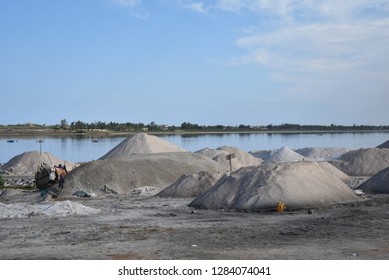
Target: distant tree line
[
  {"x": 192, "y": 127},
  {"x": 298, "y": 127},
  {"x": 282, "y": 127},
  {"x": 187, "y": 126},
  {"x": 113, "y": 126}
]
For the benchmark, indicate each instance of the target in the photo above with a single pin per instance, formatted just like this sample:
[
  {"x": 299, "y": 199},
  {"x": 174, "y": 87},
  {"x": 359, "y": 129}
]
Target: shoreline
[{"x": 107, "y": 133}]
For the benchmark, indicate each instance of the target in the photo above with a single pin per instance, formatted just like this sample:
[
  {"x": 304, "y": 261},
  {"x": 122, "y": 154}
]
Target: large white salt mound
[
  {"x": 335, "y": 172},
  {"x": 191, "y": 185},
  {"x": 28, "y": 162},
  {"x": 379, "y": 183},
  {"x": 283, "y": 154},
  {"x": 148, "y": 173},
  {"x": 240, "y": 159},
  {"x": 323, "y": 154},
  {"x": 363, "y": 162},
  {"x": 141, "y": 143},
  {"x": 59, "y": 208},
  {"x": 297, "y": 184}
]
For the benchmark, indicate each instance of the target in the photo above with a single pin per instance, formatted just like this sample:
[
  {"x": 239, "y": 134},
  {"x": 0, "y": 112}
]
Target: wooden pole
[{"x": 229, "y": 158}]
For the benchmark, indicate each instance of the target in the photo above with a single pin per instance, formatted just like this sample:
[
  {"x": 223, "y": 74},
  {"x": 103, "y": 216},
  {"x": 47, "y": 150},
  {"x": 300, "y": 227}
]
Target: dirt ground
[{"x": 159, "y": 228}]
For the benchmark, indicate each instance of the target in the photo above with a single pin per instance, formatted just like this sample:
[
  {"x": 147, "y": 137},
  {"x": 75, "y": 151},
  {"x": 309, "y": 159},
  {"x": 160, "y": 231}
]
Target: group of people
[{"x": 49, "y": 175}]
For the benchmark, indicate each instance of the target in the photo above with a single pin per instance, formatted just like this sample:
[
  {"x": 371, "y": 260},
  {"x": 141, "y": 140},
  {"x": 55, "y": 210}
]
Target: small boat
[
  {"x": 11, "y": 141},
  {"x": 95, "y": 140}
]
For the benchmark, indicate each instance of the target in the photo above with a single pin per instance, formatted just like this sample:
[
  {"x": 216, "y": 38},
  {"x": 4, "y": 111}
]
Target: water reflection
[{"x": 80, "y": 148}]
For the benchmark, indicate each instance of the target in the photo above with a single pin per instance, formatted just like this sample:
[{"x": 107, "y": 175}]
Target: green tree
[
  {"x": 188, "y": 125},
  {"x": 63, "y": 124},
  {"x": 152, "y": 126},
  {"x": 78, "y": 125}
]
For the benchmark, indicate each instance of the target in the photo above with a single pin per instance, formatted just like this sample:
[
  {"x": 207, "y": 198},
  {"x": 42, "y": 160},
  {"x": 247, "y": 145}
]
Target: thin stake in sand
[{"x": 229, "y": 157}]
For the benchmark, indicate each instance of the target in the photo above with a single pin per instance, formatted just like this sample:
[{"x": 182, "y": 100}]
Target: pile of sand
[
  {"x": 28, "y": 162},
  {"x": 298, "y": 184},
  {"x": 240, "y": 159},
  {"x": 283, "y": 154},
  {"x": 141, "y": 143},
  {"x": 211, "y": 153},
  {"x": 363, "y": 162},
  {"x": 139, "y": 174},
  {"x": 322, "y": 154},
  {"x": 261, "y": 154},
  {"x": 191, "y": 185},
  {"x": 335, "y": 172},
  {"x": 379, "y": 183},
  {"x": 59, "y": 208},
  {"x": 384, "y": 145}
]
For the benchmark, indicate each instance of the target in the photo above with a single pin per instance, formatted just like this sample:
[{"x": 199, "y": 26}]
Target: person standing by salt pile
[{"x": 61, "y": 173}]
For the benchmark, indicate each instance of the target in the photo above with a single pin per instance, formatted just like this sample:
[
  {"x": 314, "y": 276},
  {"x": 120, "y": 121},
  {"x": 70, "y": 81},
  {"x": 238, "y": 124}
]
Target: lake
[{"x": 81, "y": 149}]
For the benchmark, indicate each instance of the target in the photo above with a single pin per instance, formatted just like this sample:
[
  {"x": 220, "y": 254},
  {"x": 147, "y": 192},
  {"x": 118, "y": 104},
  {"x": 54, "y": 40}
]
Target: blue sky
[{"x": 225, "y": 62}]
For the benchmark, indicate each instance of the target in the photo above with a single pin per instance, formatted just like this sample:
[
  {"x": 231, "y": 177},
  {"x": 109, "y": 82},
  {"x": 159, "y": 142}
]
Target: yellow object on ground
[{"x": 280, "y": 206}]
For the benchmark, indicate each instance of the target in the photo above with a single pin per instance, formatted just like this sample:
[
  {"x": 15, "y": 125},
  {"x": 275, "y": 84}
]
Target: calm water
[{"x": 78, "y": 149}]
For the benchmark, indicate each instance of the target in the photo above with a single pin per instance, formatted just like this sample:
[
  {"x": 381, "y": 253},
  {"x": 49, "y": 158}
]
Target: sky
[{"x": 226, "y": 62}]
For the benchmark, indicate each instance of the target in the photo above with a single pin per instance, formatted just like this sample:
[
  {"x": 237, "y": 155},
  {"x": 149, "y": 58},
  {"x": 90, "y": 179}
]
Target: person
[{"x": 61, "y": 172}]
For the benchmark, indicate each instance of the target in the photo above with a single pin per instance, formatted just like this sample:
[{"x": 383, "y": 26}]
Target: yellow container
[{"x": 280, "y": 206}]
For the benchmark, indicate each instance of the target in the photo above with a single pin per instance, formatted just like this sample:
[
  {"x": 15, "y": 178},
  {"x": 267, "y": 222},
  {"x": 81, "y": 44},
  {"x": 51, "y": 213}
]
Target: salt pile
[
  {"x": 379, "y": 183},
  {"x": 59, "y": 208},
  {"x": 191, "y": 185},
  {"x": 241, "y": 158},
  {"x": 211, "y": 153},
  {"x": 261, "y": 154},
  {"x": 335, "y": 172},
  {"x": 298, "y": 184},
  {"x": 363, "y": 162},
  {"x": 283, "y": 154},
  {"x": 146, "y": 172},
  {"x": 28, "y": 162},
  {"x": 384, "y": 145},
  {"x": 322, "y": 154},
  {"x": 141, "y": 143},
  {"x": 63, "y": 208}
]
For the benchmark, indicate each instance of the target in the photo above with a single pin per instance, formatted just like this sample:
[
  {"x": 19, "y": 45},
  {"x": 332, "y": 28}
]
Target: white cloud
[
  {"x": 128, "y": 3},
  {"x": 197, "y": 7},
  {"x": 134, "y": 6},
  {"x": 234, "y": 6},
  {"x": 324, "y": 49},
  {"x": 333, "y": 8}
]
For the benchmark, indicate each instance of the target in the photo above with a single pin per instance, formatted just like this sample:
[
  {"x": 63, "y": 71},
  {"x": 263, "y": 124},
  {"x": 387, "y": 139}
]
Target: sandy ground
[{"x": 159, "y": 228}]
